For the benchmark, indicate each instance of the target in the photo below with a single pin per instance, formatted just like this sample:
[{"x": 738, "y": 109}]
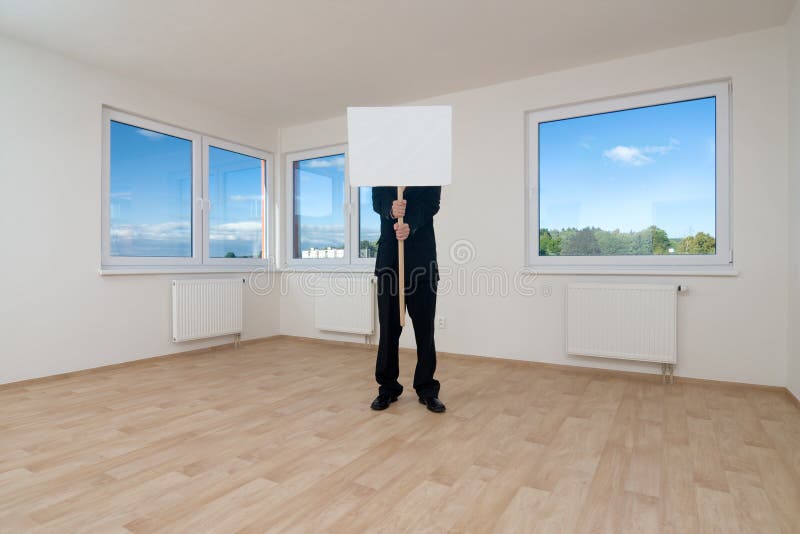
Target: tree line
[{"x": 592, "y": 241}]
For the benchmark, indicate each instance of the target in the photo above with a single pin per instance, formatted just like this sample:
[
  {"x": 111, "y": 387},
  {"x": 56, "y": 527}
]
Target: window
[
  {"x": 172, "y": 197},
  {"x": 236, "y": 218},
  {"x": 369, "y": 225},
  {"x": 638, "y": 181},
  {"x": 319, "y": 207},
  {"x": 328, "y": 222},
  {"x": 148, "y": 169}
]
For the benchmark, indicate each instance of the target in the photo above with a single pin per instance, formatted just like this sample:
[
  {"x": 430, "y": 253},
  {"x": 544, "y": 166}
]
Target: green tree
[
  {"x": 612, "y": 243},
  {"x": 549, "y": 243},
  {"x": 582, "y": 243},
  {"x": 700, "y": 243},
  {"x": 230, "y": 255},
  {"x": 591, "y": 241},
  {"x": 659, "y": 240}
]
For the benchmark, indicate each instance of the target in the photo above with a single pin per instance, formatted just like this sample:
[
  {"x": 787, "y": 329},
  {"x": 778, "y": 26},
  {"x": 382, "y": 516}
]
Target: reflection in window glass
[
  {"x": 369, "y": 225},
  {"x": 636, "y": 182},
  {"x": 319, "y": 217},
  {"x": 237, "y": 218},
  {"x": 151, "y": 193}
]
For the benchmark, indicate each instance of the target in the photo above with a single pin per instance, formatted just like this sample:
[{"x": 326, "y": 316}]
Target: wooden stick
[{"x": 401, "y": 267}]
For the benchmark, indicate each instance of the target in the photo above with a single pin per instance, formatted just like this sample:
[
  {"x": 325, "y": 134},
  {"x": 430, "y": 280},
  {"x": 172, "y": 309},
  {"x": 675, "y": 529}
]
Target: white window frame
[
  {"x": 197, "y": 216},
  {"x": 355, "y": 245},
  {"x": 266, "y": 203},
  {"x": 200, "y": 230},
  {"x": 350, "y": 260},
  {"x": 723, "y": 258},
  {"x": 291, "y": 158}
]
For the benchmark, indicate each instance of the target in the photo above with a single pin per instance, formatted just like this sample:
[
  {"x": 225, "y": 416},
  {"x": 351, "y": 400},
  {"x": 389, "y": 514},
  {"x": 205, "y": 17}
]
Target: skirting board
[
  {"x": 559, "y": 366},
  {"x": 793, "y": 398},
  {"x": 132, "y": 363},
  {"x": 317, "y": 341}
]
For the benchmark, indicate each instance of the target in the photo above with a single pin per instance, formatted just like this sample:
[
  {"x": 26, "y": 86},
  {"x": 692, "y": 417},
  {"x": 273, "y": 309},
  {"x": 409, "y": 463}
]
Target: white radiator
[
  {"x": 206, "y": 308},
  {"x": 629, "y": 321},
  {"x": 345, "y": 304}
]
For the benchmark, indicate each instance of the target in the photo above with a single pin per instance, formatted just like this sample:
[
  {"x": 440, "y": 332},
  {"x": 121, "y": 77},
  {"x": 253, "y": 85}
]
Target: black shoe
[
  {"x": 382, "y": 402},
  {"x": 433, "y": 404}
]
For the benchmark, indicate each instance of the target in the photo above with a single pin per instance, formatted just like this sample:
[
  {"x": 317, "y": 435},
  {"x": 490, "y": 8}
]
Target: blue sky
[
  {"x": 318, "y": 201},
  {"x": 151, "y": 196},
  {"x": 369, "y": 221},
  {"x": 630, "y": 169},
  {"x": 151, "y": 193},
  {"x": 235, "y": 191}
]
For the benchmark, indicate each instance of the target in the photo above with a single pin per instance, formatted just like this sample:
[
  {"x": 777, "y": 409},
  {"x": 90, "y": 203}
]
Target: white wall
[
  {"x": 793, "y": 34},
  {"x": 57, "y": 313},
  {"x": 730, "y": 328}
]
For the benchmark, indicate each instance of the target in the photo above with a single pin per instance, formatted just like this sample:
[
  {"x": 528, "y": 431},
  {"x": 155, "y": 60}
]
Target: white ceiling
[{"x": 292, "y": 61}]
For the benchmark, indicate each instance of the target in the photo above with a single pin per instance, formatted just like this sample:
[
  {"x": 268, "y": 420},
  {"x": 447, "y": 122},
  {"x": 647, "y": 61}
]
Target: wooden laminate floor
[{"x": 279, "y": 436}]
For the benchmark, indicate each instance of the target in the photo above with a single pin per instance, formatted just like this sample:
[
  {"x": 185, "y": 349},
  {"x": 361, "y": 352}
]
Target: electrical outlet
[{"x": 442, "y": 321}]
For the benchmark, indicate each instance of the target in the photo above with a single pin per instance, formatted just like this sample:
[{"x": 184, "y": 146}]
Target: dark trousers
[{"x": 421, "y": 306}]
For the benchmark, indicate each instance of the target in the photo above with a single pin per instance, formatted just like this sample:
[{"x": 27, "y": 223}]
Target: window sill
[
  {"x": 330, "y": 269},
  {"x": 622, "y": 271},
  {"x": 369, "y": 269},
  {"x": 205, "y": 269},
  {"x": 238, "y": 269}
]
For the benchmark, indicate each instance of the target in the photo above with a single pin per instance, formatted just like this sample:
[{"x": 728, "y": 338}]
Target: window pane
[
  {"x": 151, "y": 193},
  {"x": 236, "y": 189},
  {"x": 369, "y": 225},
  {"x": 629, "y": 183},
  {"x": 319, "y": 207}
]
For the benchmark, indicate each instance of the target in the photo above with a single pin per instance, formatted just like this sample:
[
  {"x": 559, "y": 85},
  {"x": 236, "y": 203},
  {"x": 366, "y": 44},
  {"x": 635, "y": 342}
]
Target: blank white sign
[{"x": 404, "y": 145}]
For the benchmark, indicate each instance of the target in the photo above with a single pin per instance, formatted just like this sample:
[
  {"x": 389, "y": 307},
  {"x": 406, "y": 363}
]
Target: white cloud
[
  {"x": 166, "y": 230},
  {"x": 245, "y": 198},
  {"x": 245, "y": 230},
  {"x": 586, "y": 141},
  {"x": 321, "y": 236},
  {"x": 150, "y": 134},
  {"x": 637, "y": 156},
  {"x": 662, "y": 149},
  {"x": 243, "y": 226},
  {"x": 326, "y": 162},
  {"x": 627, "y": 155}
]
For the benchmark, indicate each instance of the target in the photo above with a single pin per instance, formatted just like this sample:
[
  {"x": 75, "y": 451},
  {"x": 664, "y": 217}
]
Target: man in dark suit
[{"x": 418, "y": 207}]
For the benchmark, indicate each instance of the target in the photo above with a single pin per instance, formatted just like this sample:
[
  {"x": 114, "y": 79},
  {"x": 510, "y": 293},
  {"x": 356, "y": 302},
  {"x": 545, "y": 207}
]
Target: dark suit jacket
[{"x": 422, "y": 203}]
